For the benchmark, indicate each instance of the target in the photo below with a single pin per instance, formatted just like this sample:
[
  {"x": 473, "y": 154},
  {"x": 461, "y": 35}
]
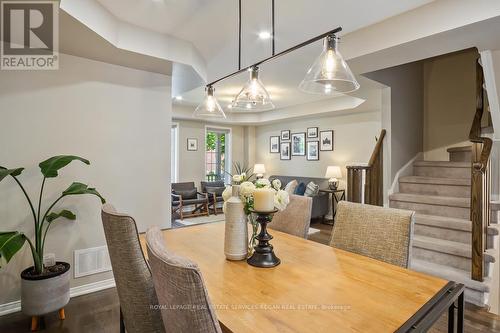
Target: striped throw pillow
[{"x": 312, "y": 190}]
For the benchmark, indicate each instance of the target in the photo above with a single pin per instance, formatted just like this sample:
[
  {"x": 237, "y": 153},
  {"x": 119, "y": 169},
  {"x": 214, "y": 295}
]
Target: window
[
  {"x": 216, "y": 153},
  {"x": 174, "y": 152}
]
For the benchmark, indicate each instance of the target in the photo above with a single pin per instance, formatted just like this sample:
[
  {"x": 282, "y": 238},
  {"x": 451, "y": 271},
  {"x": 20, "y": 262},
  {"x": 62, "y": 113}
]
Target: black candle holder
[{"x": 263, "y": 255}]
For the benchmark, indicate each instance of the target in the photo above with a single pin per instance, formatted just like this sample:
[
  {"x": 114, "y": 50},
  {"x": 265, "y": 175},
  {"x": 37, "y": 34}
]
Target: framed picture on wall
[
  {"x": 285, "y": 151},
  {"x": 299, "y": 144},
  {"x": 285, "y": 135},
  {"x": 312, "y": 151},
  {"x": 192, "y": 144},
  {"x": 274, "y": 144},
  {"x": 326, "y": 140},
  {"x": 312, "y": 132}
]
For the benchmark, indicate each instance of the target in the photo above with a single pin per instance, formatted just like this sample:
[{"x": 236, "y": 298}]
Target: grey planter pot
[{"x": 42, "y": 295}]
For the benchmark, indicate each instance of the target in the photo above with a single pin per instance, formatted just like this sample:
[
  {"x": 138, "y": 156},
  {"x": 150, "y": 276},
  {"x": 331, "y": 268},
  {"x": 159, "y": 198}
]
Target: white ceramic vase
[{"x": 236, "y": 230}]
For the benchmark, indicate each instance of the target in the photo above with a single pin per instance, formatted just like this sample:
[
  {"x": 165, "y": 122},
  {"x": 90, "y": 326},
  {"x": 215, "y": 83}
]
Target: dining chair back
[
  {"x": 296, "y": 218},
  {"x": 133, "y": 278},
  {"x": 377, "y": 232},
  {"x": 185, "y": 305}
]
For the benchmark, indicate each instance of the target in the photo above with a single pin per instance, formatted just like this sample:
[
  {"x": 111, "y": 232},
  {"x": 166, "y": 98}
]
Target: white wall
[
  {"x": 354, "y": 140},
  {"x": 192, "y": 163},
  {"x": 116, "y": 117}
]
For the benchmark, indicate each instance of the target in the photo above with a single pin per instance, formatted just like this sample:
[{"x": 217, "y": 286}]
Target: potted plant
[{"x": 43, "y": 289}]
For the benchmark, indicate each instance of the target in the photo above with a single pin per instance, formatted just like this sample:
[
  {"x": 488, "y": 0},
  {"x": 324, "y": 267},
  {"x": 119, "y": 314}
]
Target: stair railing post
[
  {"x": 480, "y": 178},
  {"x": 476, "y": 214}
]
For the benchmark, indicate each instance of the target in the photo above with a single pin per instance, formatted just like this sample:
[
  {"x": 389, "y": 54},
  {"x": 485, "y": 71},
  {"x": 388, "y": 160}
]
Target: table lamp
[
  {"x": 333, "y": 172},
  {"x": 259, "y": 170}
]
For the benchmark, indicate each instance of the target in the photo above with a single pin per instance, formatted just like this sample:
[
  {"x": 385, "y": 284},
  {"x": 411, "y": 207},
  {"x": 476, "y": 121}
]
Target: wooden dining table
[{"x": 316, "y": 288}]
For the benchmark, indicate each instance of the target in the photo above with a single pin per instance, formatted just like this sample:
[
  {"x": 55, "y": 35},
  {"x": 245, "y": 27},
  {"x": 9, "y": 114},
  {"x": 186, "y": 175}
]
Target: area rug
[{"x": 198, "y": 220}]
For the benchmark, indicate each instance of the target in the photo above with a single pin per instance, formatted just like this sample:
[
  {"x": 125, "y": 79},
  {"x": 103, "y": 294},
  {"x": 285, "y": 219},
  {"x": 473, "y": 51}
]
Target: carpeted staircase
[{"x": 439, "y": 193}]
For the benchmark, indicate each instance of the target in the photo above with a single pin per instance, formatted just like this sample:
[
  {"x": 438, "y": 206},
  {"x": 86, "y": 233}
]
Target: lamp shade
[
  {"x": 209, "y": 108},
  {"x": 253, "y": 95},
  {"x": 259, "y": 169},
  {"x": 329, "y": 74},
  {"x": 333, "y": 172}
]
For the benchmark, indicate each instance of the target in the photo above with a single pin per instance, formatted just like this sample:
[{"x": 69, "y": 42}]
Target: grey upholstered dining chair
[
  {"x": 179, "y": 285},
  {"x": 381, "y": 233},
  {"x": 133, "y": 278},
  {"x": 296, "y": 218}
]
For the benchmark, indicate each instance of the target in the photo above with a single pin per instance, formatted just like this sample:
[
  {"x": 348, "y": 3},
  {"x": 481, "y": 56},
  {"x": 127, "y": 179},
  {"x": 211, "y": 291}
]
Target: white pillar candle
[{"x": 263, "y": 200}]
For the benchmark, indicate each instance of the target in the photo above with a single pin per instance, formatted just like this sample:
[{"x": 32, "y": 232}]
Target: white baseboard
[
  {"x": 73, "y": 292},
  {"x": 406, "y": 170}
]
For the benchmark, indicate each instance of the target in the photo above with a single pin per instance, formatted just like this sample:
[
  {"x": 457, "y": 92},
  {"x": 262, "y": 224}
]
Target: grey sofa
[{"x": 320, "y": 203}]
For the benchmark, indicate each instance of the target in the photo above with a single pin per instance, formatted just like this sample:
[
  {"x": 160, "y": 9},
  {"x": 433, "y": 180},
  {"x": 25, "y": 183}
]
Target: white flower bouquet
[{"x": 247, "y": 189}]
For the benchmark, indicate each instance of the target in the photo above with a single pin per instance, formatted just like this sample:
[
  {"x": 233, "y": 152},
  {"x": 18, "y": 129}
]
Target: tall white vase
[{"x": 236, "y": 230}]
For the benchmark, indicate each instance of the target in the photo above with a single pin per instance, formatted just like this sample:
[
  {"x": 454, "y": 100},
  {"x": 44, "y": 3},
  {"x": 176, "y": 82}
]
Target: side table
[{"x": 336, "y": 196}]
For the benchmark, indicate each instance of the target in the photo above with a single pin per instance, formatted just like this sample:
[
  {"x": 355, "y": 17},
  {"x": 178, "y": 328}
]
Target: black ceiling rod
[
  {"x": 272, "y": 20},
  {"x": 293, "y": 48},
  {"x": 239, "y": 34}
]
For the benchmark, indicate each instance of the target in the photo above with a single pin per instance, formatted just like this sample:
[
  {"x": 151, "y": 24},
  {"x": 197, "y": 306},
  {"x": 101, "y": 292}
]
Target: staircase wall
[
  {"x": 403, "y": 118},
  {"x": 449, "y": 102}
]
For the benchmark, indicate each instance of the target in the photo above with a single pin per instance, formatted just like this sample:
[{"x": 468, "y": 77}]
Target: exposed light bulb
[
  {"x": 178, "y": 98},
  {"x": 330, "y": 72},
  {"x": 254, "y": 88},
  {"x": 209, "y": 107},
  {"x": 253, "y": 95},
  {"x": 210, "y": 104},
  {"x": 329, "y": 66}
]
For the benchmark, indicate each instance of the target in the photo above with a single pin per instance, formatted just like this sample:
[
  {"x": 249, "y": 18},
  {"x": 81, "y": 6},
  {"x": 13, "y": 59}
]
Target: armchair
[
  {"x": 214, "y": 191},
  {"x": 186, "y": 194}
]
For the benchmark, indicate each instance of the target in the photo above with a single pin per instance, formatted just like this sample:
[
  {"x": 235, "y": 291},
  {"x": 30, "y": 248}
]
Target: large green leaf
[
  {"x": 63, "y": 213},
  {"x": 10, "y": 243},
  {"x": 50, "y": 167},
  {"x": 79, "y": 188},
  {"x": 4, "y": 172}
]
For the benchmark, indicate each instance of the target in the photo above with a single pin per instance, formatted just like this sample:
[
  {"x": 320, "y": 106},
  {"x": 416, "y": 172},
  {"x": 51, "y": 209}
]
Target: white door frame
[
  {"x": 229, "y": 146},
  {"x": 177, "y": 135}
]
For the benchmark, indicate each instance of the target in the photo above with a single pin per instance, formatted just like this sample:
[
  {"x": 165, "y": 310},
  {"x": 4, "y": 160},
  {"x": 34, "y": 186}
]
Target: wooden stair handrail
[
  {"x": 373, "y": 188},
  {"x": 378, "y": 149},
  {"x": 479, "y": 198}
]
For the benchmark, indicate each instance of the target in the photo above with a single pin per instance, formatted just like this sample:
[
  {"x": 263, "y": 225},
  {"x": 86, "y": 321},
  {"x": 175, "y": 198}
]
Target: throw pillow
[
  {"x": 301, "y": 189},
  {"x": 187, "y": 194},
  {"x": 217, "y": 190},
  {"x": 290, "y": 187},
  {"x": 312, "y": 190}
]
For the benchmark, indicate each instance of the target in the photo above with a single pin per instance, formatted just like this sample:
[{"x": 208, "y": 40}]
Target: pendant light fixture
[
  {"x": 329, "y": 74},
  {"x": 209, "y": 107},
  {"x": 253, "y": 95}
]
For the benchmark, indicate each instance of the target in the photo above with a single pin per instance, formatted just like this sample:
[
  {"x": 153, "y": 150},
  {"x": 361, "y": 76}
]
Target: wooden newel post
[{"x": 354, "y": 184}]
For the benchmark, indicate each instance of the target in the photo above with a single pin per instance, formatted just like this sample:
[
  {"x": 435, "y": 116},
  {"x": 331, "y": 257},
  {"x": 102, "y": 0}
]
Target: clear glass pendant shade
[
  {"x": 330, "y": 73},
  {"x": 253, "y": 95},
  {"x": 209, "y": 107}
]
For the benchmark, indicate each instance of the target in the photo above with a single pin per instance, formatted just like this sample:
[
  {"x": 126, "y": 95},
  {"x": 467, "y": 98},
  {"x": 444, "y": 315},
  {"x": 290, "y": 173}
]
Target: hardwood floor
[{"x": 99, "y": 312}]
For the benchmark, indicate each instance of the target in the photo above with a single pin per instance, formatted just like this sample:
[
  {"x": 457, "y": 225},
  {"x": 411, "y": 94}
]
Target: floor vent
[{"x": 91, "y": 261}]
